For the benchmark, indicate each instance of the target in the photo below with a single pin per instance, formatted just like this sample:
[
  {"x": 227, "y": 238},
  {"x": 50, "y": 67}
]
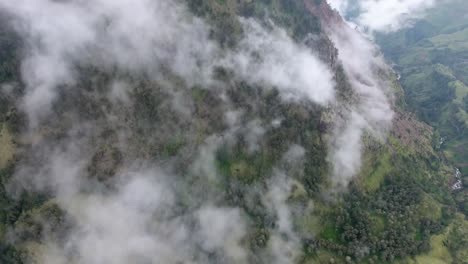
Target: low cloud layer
[
  {"x": 146, "y": 213},
  {"x": 371, "y": 113},
  {"x": 277, "y": 62},
  {"x": 383, "y": 15},
  {"x": 143, "y": 216},
  {"x": 137, "y": 36},
  {"x": 146, "y": 37}
]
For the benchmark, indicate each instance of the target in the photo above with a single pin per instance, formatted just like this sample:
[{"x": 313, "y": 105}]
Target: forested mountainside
[{"x": 212, "y": 131}]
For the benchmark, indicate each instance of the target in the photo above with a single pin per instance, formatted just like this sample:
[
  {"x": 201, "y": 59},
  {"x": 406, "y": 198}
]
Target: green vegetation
[
  {"x": 399, "y": 209},
  {"x": 395, "y": 210},
  {"x": 7, "y": 149},
  {"x": 432, "y": 60}
]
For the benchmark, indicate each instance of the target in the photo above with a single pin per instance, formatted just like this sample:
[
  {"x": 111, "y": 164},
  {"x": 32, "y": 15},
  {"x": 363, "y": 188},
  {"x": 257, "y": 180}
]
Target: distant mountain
[{"x": 432, "y": 59}]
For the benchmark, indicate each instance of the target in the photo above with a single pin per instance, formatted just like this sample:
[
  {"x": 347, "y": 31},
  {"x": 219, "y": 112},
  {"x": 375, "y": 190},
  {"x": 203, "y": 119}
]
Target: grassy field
[{"x": 438, "y": 254}]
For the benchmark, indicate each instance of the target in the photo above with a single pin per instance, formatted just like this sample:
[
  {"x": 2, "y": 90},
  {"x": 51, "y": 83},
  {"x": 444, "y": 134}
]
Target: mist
[
  {"x": 372, "y": 114},
  {"x": 383, "y": 15},
  {"x": 137, "y": 36},
  {"x": 172, "y": 209}
]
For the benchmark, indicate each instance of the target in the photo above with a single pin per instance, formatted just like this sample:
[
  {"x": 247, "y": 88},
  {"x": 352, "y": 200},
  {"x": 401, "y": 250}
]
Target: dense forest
[{"x": 226, "y": 131}]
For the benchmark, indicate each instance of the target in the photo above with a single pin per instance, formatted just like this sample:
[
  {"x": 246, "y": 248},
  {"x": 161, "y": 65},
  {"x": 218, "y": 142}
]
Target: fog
[
  {"x": 147, "y": 211},
  {"x": 383, "y": 15}
]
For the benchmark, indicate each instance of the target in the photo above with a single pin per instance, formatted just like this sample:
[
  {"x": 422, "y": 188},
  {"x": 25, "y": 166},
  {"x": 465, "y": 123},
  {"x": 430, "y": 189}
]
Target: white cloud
[
  {"x": 384, "y": 15},
  {"x": 340, "y": 5},
  {"x": 150, "y": 37},
  {"x": 271, "y": 57},
  {"x": 121, "y": 228},
  {"x": 137, "y": 36},
  {"x": 135, "y": 221},
  {"x": 284, "y": 242},
  {"x": 222, "y": 229},
  {"x": 391, "y": 15},
  {"x": 371, "y": 113}
]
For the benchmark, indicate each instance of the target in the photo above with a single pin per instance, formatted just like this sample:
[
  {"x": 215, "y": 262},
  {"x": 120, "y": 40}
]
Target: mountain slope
[{"x": 251, "y": 132}]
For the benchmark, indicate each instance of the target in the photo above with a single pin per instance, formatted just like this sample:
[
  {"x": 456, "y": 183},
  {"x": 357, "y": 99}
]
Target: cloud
[
  {"x": 137, "y": 36},
  {"x": 149, "y": 37},
  {"x": 391, "y": 15},
  {"x": 371, "y": 111},
  {"x": 270, "y": 57},
  {"x": 151, "y": 214},
  {"x": 121, "y": 228},
  {"x": 223, "y": 229},
  {"x": 340, "y": 5},
  {"x": 139, "y": 219},
  {"x": 284, "y": 243},
  {"x": 384, "y": 15}
]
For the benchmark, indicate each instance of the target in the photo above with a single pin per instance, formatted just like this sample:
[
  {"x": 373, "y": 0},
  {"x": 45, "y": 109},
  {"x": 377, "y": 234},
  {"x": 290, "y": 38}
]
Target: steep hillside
[{"x": 211, "y": 131}]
